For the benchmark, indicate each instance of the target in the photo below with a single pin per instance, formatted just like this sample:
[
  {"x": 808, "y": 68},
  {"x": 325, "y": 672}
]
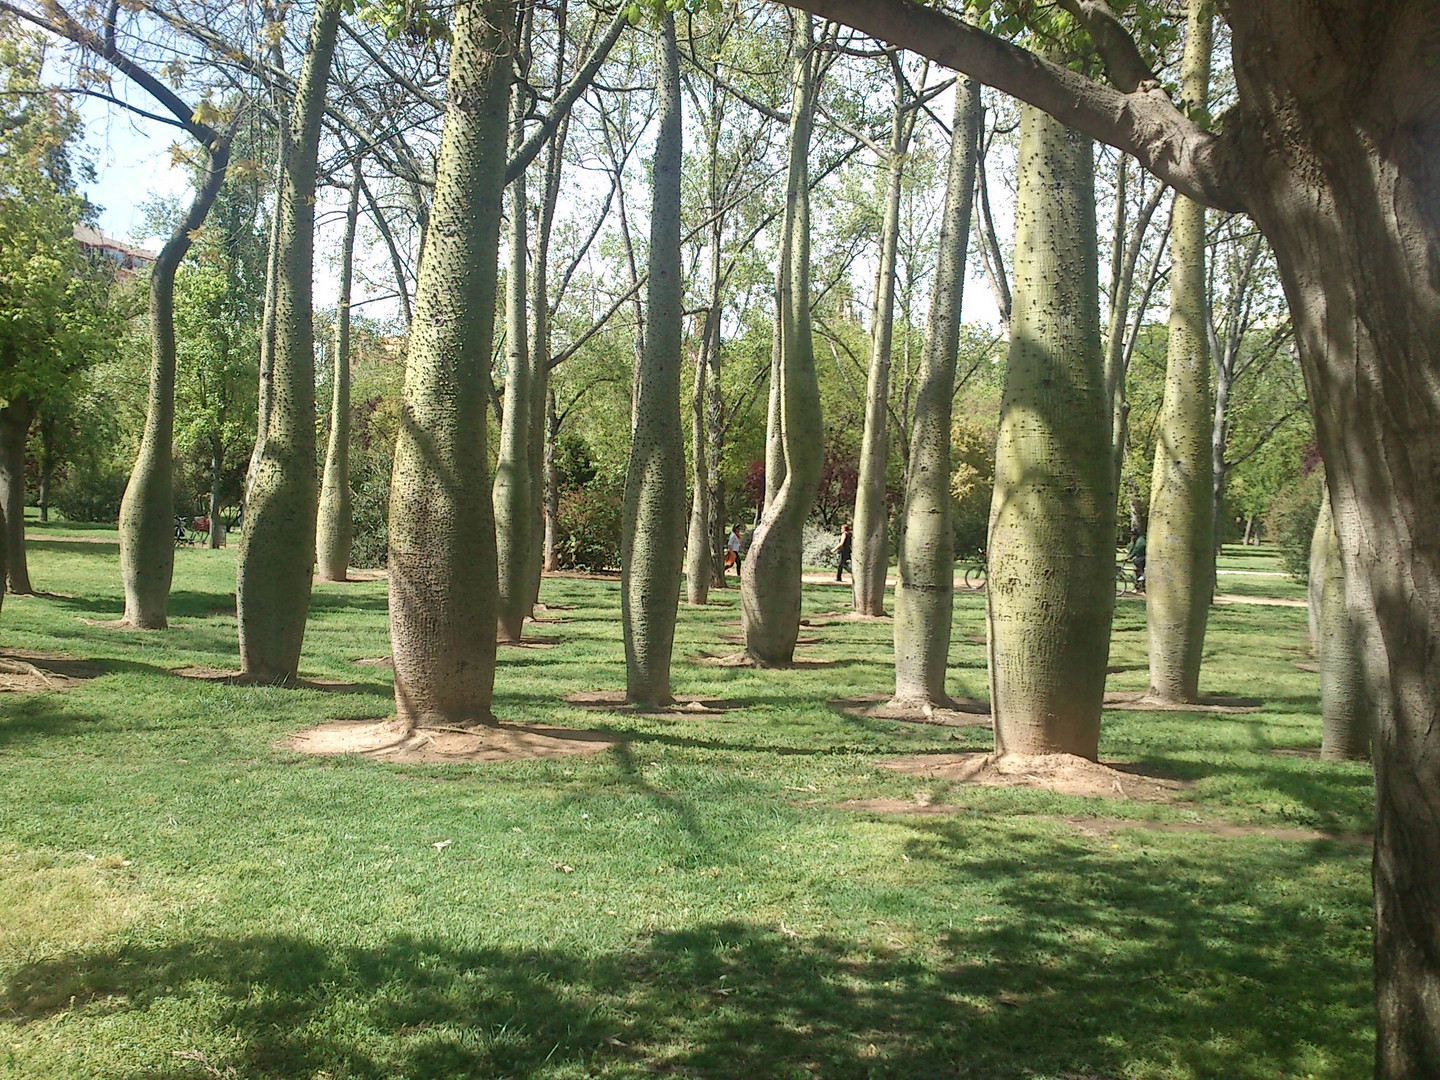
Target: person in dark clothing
[
  {"x": 842, "y": 552},
  {"x": 1136, "y": 554}
]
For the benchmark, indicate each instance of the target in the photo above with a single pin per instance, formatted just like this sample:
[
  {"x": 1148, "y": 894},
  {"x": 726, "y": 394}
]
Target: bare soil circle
[
  {"x": 1135, "y": 701},
  {"x": 391, "y": 740},
  {"x": 25, "y": 671},
  {"x": 1062, "y": 773},
  {"x": 966, "y": 712},
  {"x": 683, "y": 705}
]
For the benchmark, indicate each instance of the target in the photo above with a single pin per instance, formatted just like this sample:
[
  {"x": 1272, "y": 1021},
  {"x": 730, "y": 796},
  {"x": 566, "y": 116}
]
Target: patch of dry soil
[
  {"x": 237, "y": 678},
  {"x": 741, "y": 659},
  {"x": 614, "y": 701},
  {"x": 1133, "y": 701},
  {"x": 1063, "y": 773},
  {"x": 967, "y": 712},
  {"x": 25, "y": 671},
  {"x": 390, "y": 740}
]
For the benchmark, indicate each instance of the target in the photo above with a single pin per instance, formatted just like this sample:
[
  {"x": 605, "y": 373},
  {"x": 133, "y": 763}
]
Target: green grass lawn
[{"x": 183, "y": 896}]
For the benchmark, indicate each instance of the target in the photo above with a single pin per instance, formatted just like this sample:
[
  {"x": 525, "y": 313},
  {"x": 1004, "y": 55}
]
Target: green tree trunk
[
  {"x": 1050, "y": 588},
  {"x": 277, "y": 548},
  {"x": 1344, "y": 716},
  {"x": 442, "y": 527},
  {"x": 147, "y": 512},
  {"x": 872, "y": 535},
  {"x": 652, "y": 527},
  {"x": 513, "y": 495},
  {"x": 1181, "y": 534},
  {"x": 699, "y": 547},
  {"x": 336, "y": 528},
  {"x": 925, "y": 591},
  {"x": 15, "y": 420},
  {"x": 770, "y": 581}
]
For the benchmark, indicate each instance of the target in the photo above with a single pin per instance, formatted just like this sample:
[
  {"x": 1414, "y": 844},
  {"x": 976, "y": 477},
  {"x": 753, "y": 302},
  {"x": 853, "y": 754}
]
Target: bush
[
  {"x": 1291, "y": 519},
  {"x": 819, "y": 549},
  {"x": 588, "y": 527},
  {"x": 91, "y": 494}
]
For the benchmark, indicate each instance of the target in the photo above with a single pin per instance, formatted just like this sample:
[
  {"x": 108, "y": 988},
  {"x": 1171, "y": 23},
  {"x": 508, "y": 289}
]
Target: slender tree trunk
[
  {"x": 700, "y": 546},
  {"x": 513, "y": 497},
  {"x": 652, "y": 529},
  {"x": 1345, "y": 721},
  {"x": 1320, "y": 545},
  {"x": 277, "y": 548},
  {"x": 147, "y": 511},
  {"x": 1180, "y": 548},
  {"x": 216, "y": 538},
  {"x": 872, "y": 540},
  {"x": 15, "y": 420},
  {"x": 442, "y": 526},
  {"x": 770, "y": 582},
  {"x": 925, "y": 592},
  {"x": 552, "y": 484},
  {"x": 335, "y": 523},
  {"x": 47, "y": 462},
  {"x": 774, "y": 431},
  {"x": 1050, "y": 588}
]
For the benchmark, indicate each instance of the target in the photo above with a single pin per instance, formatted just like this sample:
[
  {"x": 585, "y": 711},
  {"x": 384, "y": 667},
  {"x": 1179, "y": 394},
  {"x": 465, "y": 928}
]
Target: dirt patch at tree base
[
  {"x": 375, "y": 661},
  {"x": 683, "y": 705},
  {"x": 1208, "y": 703},
  {"x": 131, "y": 628},
  {"x": 1303, "y": 665},
  {"x": 741, "y": 659},
  {"x": 391, "y": 740},
  {"x": 375, "y": 573},
  {"x": 831, "y": 618},
  {"x": 739, "y": 639},
  {"x": 239, "y": 678},
  {"x": 1062, "y": 773},
  {"x": 24, "y": 671},
  {"x": 533, "y": 641},
  {"x": 963, "y": 712}
]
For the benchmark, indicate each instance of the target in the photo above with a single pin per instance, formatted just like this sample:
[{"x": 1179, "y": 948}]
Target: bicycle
[
  {"x": 974, "y": 576},
  {"x": 1127, "y": 581}
]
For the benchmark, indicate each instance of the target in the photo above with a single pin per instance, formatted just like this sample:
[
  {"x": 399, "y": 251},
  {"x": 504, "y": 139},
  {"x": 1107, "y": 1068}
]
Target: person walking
[
  {"x": 735, "y": 550},
  {"x": 841, "y": 551}
]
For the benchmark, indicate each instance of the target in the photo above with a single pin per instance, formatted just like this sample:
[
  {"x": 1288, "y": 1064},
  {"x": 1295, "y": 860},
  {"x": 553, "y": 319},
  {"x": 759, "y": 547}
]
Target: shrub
[
  {"x": 91, "y": 493},
  {"x": 819, "y": 545},
  {"x": 588, "y": 527},
  {"x": 1291, "y": 519}
]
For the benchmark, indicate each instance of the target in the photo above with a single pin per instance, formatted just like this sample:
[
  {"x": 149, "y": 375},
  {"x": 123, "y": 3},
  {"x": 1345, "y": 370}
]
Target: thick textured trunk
[
  {"x": 770, "y": 581},
  {"x": 1320, "y": 545},
  {"x": 697, "y": 542},
  {"x": 1345, "y": 721},
  {"x": 872, "y": 535},
  {"x": 277, "y": 549},
  {"x": 1050, "y": 588},
  {"x": 552, "y": 485},
  {"x": 924, "y": 594},
  {"x": 147, "y": 512},
  {"x": 652, "y": 528},
  {"x": 1353, "y": 214},
  {"x": 15, "y": 420},
  {"x": 704, "y": 440},
  {"x": 774, "y": 436},
  {"x": 513, "y": 495},
  {"x": 335, "y": 526},
  {"x": 442, "y": 527},
  {"x": 1180, "y": 548},
  {"x": 4, "y": 551}
]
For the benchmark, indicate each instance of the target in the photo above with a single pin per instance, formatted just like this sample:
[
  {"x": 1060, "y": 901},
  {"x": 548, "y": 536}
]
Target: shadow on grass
[{"x": 1093, "y": 966}]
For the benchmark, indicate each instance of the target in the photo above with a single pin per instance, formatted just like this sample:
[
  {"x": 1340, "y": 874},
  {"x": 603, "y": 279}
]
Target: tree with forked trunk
[
  {"x": 925, "y": 589},
  {"x": 277, "y": 549},
  {"x": 1329, "y": 148},
  {"x": 442, "y": 529},
  {"x": 770, "y": 579}
]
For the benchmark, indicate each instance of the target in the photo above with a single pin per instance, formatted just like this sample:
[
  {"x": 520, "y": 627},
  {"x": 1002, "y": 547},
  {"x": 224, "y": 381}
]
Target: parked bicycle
[{"x": 974, "y": 576}]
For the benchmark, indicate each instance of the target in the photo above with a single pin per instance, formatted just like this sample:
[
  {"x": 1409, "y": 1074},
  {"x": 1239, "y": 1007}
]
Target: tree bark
[
  {"x": 700, "y": 545},
  {"x": 1050, "y": 587},
  {"x": 925, "y": 592},
  {"x": 652, "y": 528},
  {"x": 147, "y": 511},
  {"x": 277, "y": 548},
  {"x": 442, "y": 529},
  {"x": 552, "y": 484},
  {"x": 513, "y": 495},
  {"x": 15, "y": 421},
  {"x": 335, "y": 525},
  {"x": 46, "y": 432},
  {"x": 1344, "y": 719},
  {"x": 872, "y": 535},
  {"x": 770, "y": 582},
  {"x": 1180, "y": 541},
  {"x": 216, "y": 537}
]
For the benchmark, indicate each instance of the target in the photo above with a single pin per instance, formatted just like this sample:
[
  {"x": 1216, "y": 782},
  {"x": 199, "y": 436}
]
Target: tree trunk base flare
[
  {"x": 15, "y": 421},
  {"x": 1050, "y": 588}
]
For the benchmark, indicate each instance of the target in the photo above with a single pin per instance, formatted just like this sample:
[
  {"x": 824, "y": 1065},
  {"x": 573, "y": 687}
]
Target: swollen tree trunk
[
  {"x": 147, "y": 512},
  {"x": 1345, "y": 721},
  {"x": 513, "y": 495},
  {"x": 335, "y": 525},
  {"x": 442, "y": 527},
  {"x": 699, "y": 546},
  {"x": 872, "y": 541},
  {"x": 652, "y": 526},
  {"x": 15, "y": 420},
  {"x": 277, "y": 548},
  {"x": 770, "y": 581},
  {"x": 1180, "y": 542},
  {"x": 925, "y": 589},
  {"x": 1050, "y": 588}
]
